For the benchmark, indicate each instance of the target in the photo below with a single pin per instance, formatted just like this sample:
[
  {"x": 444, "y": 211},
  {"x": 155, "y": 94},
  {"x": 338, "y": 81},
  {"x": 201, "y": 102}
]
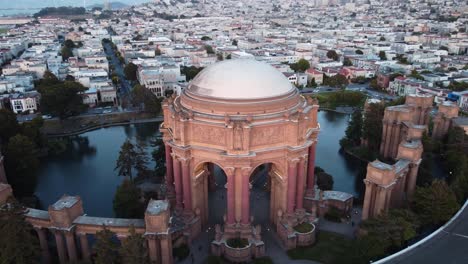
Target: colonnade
[{"x": 300, "y": 176}]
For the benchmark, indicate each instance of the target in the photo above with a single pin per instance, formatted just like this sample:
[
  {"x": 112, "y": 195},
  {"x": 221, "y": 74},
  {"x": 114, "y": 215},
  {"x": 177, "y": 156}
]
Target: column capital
[
  {"x": 293, "y": 161},
  {"x": 184, "y": 161},
  {"x": 230, "y": 171},
  {"x": 246, "y": 171}
]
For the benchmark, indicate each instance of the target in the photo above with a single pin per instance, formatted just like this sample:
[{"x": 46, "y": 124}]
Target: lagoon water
[{"x": 87, "y": 167}]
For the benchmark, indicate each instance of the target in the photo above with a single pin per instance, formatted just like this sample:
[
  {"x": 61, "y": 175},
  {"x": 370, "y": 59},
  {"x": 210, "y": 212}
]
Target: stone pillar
[
  {"x": 71, "y": 246},
  {"x": 60, "y": 247},
  {"x": 166, "y": 250},
  {"x": 411, "y": 180},
  {"x": 41, "y": 233},
  {"x": 169, "y": 169},
  {"x": 367, "y": 200},
  {"x": 292, "y": 174},
  {"x": 177, "y": 182},
  {"x": 384, "y": 136},
  {"x": 211, "y": 177},
  {"x": 231, "y": 194},
  {"x": 311, "y": 167},
  {"x": 300, "y": 184},
  {"x": 245, "y": 196},
  {"x": 153, "y": 249},
  {"x": 187, "y": 184},
  {"x": 380, "y": 201},
  {"x": 396, "y": 141},
  {"x": 85, "y": 253}
]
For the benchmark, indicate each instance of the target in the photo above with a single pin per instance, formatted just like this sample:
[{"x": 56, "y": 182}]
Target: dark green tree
[
  {"x": 331, "y": 54},
  {"x": 127, "y": 159},
  {"x": 18, "y": 242},
  {"x": 301, "y": 66},
  {"x": 337, "y": 81},
  {"x": 8, "y": 125},
  {"x": 127, "y": 202},
  {"x": 133, "y": 249},
  {"x": 382, "y": 55},
  {"x": 62, "y": 99},
  {"x": 190, "y": 72},
  {"x": 353, "y": 132},
  {"x": 347, "y": 62},
  {"x": 22, "y": 163},
  {"x": 435, "y": 204},
  {"x": 141, "y": 96},
  {"x": 324, "y": 181},
  {"x": 209, "y": 49},
  {"x": 130, "y": 71},
  {"x": 372, "y": 126},
  {"x": 105, "y": 247},
  {"x": 359, "y": 52}
]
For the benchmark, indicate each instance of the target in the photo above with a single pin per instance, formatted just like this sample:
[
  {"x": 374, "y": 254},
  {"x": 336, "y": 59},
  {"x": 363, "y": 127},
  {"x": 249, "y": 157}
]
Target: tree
[
  {"x": 415, "y": 74},
  {"x": 434, "y": 204},
  {"x": 302, "y": 65},
  {"x": 234, "y": 42},
  {"x": 22, "y": 163},
  {"x": 62, "y": 99},
  {"x": 209, "y": 49},
  {"x": 374, "y": 85},
  {"x": 382, "y": 55},
  {"x": 205, "y": 38},
  {"x": 159, "y": 157},
  {"x": 347, "y": 62},
  {"x": 106, "y": 249},
  {"x": 18, "y": 242},
  {"x": 130, "y": 71},
  {"x": 372, "y": 126},
  {"x": 127, "y": 159},
  {"x": 353, "y": 131},
  {"x": 382, "y": 38},
  {"x": 190, "y": 72},
  {"x": 324, "y": 181},
  {"x": 337, "y": 81},
  {"x": 8, "y": 125},
  {"x": 133, "y": 250},
  {"x": 359, "y": 52},
  {"x": 331, "y": 54},
  {"x": 127, "y": 201},
  {"x": 143, "y": 96}
]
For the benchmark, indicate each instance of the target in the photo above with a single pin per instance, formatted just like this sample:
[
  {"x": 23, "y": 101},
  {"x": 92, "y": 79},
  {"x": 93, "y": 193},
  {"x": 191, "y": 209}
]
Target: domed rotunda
[{"x": 239, "y": 115}]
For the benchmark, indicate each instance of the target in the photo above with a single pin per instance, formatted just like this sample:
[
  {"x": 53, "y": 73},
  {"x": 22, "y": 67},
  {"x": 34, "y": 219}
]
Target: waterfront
[{"x": 87, "y": 167}]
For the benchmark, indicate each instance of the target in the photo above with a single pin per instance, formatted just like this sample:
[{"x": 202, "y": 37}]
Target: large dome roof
[{"x": 240, "y": 79}]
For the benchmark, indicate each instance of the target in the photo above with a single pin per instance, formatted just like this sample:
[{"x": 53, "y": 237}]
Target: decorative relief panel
[
  {"x": 267, "y": 135},
  {"x": 209, "y": 135}
]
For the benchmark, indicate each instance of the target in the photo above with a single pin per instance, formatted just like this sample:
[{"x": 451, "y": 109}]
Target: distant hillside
[{"x": 114, "y": 5}]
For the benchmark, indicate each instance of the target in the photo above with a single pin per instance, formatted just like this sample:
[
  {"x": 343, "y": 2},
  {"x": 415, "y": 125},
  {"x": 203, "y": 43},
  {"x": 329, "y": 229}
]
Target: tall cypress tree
[
  {"x": 18, "y": 242},
  {"x": 133, "y": 250}
]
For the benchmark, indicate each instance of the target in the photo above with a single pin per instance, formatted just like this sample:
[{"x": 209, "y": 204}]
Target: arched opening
[
  {"x": 211, "y": 198},
  {"x": 264, "y": 202}
]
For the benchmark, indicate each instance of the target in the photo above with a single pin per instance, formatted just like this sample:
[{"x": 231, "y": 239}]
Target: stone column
[
  {"x": 211, "y": 177},
  {"x": 292, "y": 174},
  {"x": 41, "y": 233},
  {"x": 380, "y": 201},
  {"x": 384, "y": 136},
  {"x": 71, "y": 246},
  {"x": 367, "y": 200},
  {"x": 166, "y": 250},
  {"x": 60, "y": 247},
  {"x": 411, "y": 180},
  {"x": 245, "y": 195},
  {"x": 177, "y": 182},
  {"x": 187, "y": 184},
  {"x": 397, "y": 143},
  {"x": 231, "y": 194},
  {"x": 300, "y": 184},
  {"x": 169, "y": 169},
  {"x": 85, "y": 253},
  {"x": 153, "y": 249},
  {"x": 311, "y": 167}
]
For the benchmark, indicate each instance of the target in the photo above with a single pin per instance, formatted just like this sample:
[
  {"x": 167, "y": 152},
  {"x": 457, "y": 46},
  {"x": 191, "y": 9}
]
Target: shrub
[
  {"x": 237, "y": 242},
  {"x": 181, "y": 252},
  {"x": 333, "y": 215},
  {"x": 303, "y": 228}
]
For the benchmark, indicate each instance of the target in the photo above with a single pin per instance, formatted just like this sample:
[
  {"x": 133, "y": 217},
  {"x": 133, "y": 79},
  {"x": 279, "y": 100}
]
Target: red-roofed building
[{"x": 313, "y": 74}]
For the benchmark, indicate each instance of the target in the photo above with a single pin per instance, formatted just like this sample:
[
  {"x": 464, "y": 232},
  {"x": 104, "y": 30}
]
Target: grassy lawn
[
  {"x": 3, "y": 30},
  {"x": 340, "y": 98},
  {"x": 330, "y": 248}
]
